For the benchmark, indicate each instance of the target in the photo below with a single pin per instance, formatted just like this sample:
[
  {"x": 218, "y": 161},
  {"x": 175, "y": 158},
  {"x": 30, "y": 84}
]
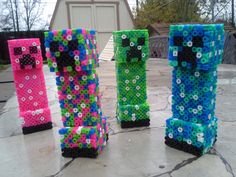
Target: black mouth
[
  {"x": 26, "y": 61},
  {"x": 133, "y": 53}
]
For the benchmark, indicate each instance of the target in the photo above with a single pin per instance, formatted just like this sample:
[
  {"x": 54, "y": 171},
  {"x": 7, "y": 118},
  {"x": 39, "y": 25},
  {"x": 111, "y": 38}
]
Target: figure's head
[
  {"x": 71, "y": 50},
  {"x": 131, "y": 46},
  {"x": 25, "y": 53},
  {"x": 196, "y": 46}
]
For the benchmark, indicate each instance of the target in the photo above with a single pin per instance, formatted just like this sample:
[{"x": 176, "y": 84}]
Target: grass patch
[{"x": 3, "y": 67}]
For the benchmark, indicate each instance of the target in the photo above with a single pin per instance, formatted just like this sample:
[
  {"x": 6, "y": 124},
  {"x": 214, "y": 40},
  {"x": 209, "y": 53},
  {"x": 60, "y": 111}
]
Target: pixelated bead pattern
[
  {"x": 71, "y": 50},
  {"x": 72, "y": 54},
  {"x": 194, "y": 52},
  {"x": 29, "y": 80},
  {"x": 131, "y": 45},
  {"x": 131, "y": 52},
  {"x": 199, "y": 46}
]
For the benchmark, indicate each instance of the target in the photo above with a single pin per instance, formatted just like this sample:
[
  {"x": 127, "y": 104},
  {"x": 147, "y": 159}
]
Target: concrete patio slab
[{"x": 138, "y": 152}]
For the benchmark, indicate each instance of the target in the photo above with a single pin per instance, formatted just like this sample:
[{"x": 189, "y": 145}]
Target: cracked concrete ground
[{"x": 138, "y": 152}]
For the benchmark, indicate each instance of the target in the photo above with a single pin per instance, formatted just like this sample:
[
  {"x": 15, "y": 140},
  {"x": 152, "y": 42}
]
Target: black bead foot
[
  {"x": 132, "y": 124},
  {"x": 183, "y": 146},
  {"x": 37, "y": 128},
  {"x": 79, "y": 152}
]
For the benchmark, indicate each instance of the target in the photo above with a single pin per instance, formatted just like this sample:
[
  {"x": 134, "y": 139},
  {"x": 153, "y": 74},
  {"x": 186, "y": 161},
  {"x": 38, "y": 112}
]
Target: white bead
[
  {"x": 126, "y": 81},
  {"x": 180, "y": 129},
  {"x": 189, "y": 44},
  {"x": 123, "y": 36},
  {"x": 175, "y": 53},
  {"x": 170, "y": 135}
]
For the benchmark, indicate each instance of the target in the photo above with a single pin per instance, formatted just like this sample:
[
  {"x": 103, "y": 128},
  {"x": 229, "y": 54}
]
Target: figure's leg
[
  {"x": 85, "y": 131},
  {"x": 193, "y": 126},
  {"x": 132, "y": 107}
]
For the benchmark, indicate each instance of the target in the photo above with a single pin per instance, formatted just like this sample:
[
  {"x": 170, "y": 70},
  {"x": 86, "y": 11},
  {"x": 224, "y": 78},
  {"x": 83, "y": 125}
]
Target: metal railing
[{"x": 158, "y": 46}]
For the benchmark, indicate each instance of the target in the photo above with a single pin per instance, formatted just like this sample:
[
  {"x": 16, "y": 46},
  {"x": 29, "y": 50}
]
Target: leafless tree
[
  {"x": 33, "y": 10},
  {"x": 212, "y": 9},
  {"x": 10, "y": 14},
  {"x": 15, "y": 3},
  {"x": 7, "y": 19}
]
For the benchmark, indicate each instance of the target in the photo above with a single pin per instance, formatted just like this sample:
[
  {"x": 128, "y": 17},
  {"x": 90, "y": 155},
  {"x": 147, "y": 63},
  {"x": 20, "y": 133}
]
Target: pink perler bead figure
[{"x": 27, "y": 63}]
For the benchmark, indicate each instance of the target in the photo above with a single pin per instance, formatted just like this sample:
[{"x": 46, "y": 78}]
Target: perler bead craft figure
[
  {"x": 194, "y": 52},
  {"x": 131, "y": 50},
  {"x": 72, "y": 55},
  {"x": 26, "y": 61}
]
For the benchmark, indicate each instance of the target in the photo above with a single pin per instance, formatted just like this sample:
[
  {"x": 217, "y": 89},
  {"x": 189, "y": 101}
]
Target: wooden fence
[{"x": 5, "y": 36}]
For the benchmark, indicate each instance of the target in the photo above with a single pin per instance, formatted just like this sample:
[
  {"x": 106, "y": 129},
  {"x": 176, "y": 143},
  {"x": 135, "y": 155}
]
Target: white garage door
[{"x": 101, "y": 17}]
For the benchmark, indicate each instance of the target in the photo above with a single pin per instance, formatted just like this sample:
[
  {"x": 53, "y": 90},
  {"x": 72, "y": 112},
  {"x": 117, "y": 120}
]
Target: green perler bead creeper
[{"x": 131, "y": 50}]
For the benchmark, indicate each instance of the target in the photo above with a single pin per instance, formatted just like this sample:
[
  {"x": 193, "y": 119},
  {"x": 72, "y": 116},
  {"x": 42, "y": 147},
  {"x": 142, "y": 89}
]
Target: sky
[{"x": 50, "y": 4}]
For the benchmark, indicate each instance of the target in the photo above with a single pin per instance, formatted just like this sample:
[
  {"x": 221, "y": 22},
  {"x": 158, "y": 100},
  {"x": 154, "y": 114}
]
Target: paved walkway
[{"x": 138, "y": 152}]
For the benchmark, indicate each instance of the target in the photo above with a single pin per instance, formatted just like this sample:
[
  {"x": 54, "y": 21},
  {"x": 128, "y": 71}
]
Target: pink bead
[{"x": 76, "y": 52}]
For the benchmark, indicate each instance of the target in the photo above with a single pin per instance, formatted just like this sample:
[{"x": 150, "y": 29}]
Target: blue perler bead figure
[{"x": 195, "y": 52}]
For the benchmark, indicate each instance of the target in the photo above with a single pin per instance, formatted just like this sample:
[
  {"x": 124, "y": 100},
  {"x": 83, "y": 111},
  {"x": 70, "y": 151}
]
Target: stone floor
[{"x": 138, "y": 152}]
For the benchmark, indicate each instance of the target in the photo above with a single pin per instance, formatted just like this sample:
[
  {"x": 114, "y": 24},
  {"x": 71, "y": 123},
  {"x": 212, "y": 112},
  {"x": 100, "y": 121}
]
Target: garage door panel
[
  {"x": 99, "y": 16},
  {"x": 82, "y": 16},
  {"x": 105, "y": 18}
]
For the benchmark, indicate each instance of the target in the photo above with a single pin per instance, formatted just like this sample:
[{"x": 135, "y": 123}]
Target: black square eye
[
  {"x": 125, "y": 42},
  {"x": 17, "y": 51},
  {"x": 197, "y": 41},
  {"x": 73, "y": 45},
  {"x": 33, "y": 49},
  {"x": 141, "y": 41},
  {"x": 178, "y": 41},
  {"x": 54, "y": 46}
]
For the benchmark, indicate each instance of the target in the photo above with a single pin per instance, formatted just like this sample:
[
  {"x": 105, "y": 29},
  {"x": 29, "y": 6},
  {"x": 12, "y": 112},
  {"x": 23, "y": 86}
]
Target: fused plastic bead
[
  {"x": 72, "y": 54},
  {"x": 196, "y": 46},
  {"x": 194, "y": 51},
  {"x": 26, "y": 61},
  {"x": 131, "y": 52}
]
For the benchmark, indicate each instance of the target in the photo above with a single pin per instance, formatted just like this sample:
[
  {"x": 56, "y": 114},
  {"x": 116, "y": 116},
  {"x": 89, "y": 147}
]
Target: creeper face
[
  {"x": 27, "y": 55},
  {"x": 71, "y": 50},
  {"x": 131, "y": 46},
  {"x": 196, "y": 46}
]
